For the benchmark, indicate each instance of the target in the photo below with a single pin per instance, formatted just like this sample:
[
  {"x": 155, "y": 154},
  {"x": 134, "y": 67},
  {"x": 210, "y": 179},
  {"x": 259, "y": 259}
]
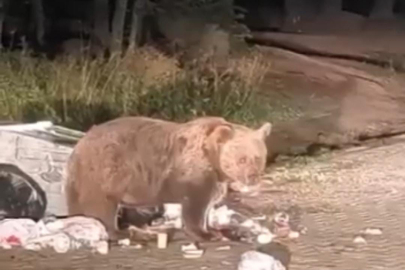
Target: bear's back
[{"x": 141, "y": 153}]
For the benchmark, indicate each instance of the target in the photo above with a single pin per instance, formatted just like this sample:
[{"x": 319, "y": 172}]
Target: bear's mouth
[{"x": 244, "y": 188}]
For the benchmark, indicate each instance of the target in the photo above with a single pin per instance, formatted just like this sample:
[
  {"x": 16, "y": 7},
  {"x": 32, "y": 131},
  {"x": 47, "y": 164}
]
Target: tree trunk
[
  {"x": 118, "y": 25},
  {"x": 383, "y": 9},
  {"x": 101, "y": 31},
  {"x": 332, "y": 6},
  {"x": 138, "y": 13},
  {"x": 2, "y": 18},
  {"x": 297, "y": 13},
  {"x": 39, "y": 20}
]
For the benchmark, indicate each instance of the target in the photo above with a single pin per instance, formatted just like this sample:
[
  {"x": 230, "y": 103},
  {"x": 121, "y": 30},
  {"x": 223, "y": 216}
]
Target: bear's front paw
[
  {"x": 215, "y": 235},
  {"x": 202, "y": 236}
]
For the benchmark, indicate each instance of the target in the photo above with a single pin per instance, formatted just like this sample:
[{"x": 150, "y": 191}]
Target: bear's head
[{"x": 243, "y": 157}]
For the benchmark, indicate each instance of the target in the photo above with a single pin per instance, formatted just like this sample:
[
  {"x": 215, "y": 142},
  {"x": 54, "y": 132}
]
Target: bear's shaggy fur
[{"x": 141, "y": 161}]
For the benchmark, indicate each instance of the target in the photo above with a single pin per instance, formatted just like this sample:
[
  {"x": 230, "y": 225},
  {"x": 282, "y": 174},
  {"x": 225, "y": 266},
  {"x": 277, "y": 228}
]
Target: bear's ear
[
  {"x": 264, "y": 131},
  {"x": 219, "y": 131},
  {"x": 217, "y": 135},
  {"x": 220, "y": 134}
]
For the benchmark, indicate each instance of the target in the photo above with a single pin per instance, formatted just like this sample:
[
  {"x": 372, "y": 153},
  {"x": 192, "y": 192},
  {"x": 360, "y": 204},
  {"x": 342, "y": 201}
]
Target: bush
[{"x": 79, "y": 94}]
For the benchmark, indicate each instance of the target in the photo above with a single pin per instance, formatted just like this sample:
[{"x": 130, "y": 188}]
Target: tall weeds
[{"x": 79, "y": 94}]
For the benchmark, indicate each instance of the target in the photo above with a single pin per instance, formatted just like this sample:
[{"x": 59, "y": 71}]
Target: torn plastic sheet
[{"x": 60, "y": 234}]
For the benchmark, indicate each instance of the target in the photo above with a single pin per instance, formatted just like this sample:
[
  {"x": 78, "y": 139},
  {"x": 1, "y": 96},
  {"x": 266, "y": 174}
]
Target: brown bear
[{"x": 141, "y": 161}]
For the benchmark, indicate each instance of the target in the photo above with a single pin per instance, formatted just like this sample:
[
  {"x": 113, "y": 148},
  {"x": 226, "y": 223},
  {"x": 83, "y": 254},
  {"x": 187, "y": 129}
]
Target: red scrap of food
[{"x": 13, "y": 240}]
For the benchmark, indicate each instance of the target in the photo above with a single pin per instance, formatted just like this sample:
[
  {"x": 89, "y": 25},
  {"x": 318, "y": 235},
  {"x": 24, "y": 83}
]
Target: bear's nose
[{"x": 253, "y": 179}]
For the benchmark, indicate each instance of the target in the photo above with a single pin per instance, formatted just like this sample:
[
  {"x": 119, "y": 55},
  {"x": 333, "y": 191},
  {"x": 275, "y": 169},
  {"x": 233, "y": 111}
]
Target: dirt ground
[{"x": 334, "y": 196}]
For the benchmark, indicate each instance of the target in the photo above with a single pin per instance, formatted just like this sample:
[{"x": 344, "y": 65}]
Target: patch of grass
[{"x": 79, "y": 94}]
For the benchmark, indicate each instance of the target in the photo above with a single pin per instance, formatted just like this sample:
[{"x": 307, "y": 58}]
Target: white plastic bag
[
  {"x": 220, "y": 217},
  {"x": 83, "y": 229},
  {"x": 60, "y": 242},
  {"x": 172, "y": 214},
  {"x": 254, "y": 260},
  {"x": 60, "y": 234},
  {"x": 15, "y": 232}
]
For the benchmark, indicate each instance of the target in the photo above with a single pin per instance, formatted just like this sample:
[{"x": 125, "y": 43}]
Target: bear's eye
[{"x": 242, "y": 160}]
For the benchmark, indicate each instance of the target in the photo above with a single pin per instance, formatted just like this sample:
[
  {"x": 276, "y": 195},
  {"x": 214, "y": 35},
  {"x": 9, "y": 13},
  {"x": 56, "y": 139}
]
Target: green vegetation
[{"x": 79, "y": 93}]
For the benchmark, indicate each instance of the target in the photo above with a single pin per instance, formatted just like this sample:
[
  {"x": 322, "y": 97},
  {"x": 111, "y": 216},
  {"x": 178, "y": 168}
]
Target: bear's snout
[{"x": 251, "y": 179}]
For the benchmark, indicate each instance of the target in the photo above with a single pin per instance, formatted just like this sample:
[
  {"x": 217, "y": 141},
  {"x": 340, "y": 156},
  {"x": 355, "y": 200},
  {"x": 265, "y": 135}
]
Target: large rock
[{"x": 342, "y": 102}]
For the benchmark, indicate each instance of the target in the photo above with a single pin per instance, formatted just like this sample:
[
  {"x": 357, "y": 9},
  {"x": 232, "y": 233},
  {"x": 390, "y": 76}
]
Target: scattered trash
[
  {"x": 171, "y": 217},
  {"x": 124, "y": 242},
  {"x": 60, "y": 242},
  {"x": 372, "y": 231},
  {"x": 15, "y": 233},
  {"x": 138, "y": 246},
  {"x": 265, "y": 238},
  {"x": 162, "y": 240},
  {"x": 220, "y": 217},
  {"x": 359, "y": 240},
  {"x": 193, "y": 254},
  {"x": 248, "y": 224},
  {"x": 135, "y": 232},
  {"x": 278, "y": 251},
  {"x": 260, "y": 218},
  {"x": 293, "y": 235},
  {"x": 254, "y": 260},
  {"x": 188, "y": 247},
  {"x": 250, "y": 229},
  {"x": 223, "y": 248},
  {"x": 60, "y": 234},
  {"x": 102, "y": 247},
  {"x": 233, "y": 225},
  {"x": 303, "y": 230},
  {"x": 282, "y": 219},
  {"x": 140, "y": 216},
  {"x": 280, "y": 226},
  {"x": 191, "y": 251}
]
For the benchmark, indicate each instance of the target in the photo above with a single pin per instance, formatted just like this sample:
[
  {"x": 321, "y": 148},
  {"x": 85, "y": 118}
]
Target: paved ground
[
  {"x": 342, "y": 195},
  {"x": 334, "y": 196}
]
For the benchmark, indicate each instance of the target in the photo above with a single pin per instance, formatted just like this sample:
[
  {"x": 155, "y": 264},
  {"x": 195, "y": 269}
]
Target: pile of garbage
[
  {"x": 251, "y": 230},
  {"x": 77, "y": 232},
  {"x": 239, "y": 227},
  {"x": 60, "y": 234},
  {"x": 233, "y": 225}
]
